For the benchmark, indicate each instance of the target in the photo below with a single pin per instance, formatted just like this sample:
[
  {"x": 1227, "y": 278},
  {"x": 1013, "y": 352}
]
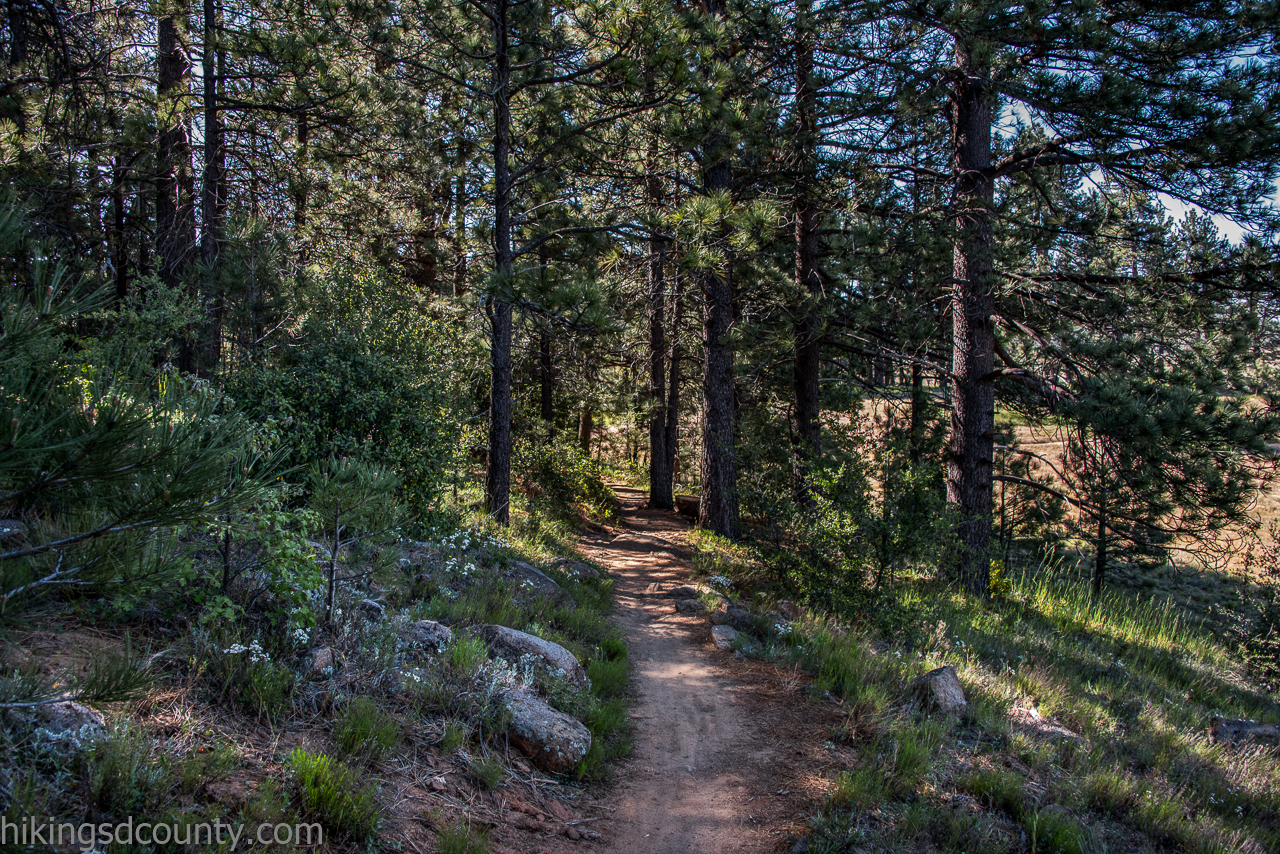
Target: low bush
[
  {"x": 335, "y": 794},
  {"x": 365, "y": 731}
]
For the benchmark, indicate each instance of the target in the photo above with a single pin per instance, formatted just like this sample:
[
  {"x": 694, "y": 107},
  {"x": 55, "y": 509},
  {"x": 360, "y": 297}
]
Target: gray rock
[
  {"x": 12, "y": 531},
  {"x": 739, "y": 618},
  {"x": 689, "y": 606},
  {"x": 723, "y": 636},
  {"x": 801, "y": 847},
  {"x": 576, "y": 567},
  {"x": 790, "y": 609},
  {"x": 531, "y": 578},
  {"x": 428, "y": 634},
  {"x": 554, "y": 741},
  {"x": 69, "y": 716},
  {"x": 319, "y": 662},
  {"x": 940, "y": 691},
  {"x": 372, "y": 611},
  {"x": 1237, "y": 732},
  {"x": 513, "y": 645},
  {"x": 685, "y": 591}
]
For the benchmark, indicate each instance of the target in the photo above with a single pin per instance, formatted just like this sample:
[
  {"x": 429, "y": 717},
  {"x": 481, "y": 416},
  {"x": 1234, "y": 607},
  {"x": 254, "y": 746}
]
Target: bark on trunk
[
  {"x": 497, "y": 490},
  {"x": 213, "y": 196},
  {"x": 1100, "y": 558},
  {"x": 120, "y": 243},
  {"x": 659, "y": 460},
  {"x": 807, "y": 366},
  {"x": 586, "y": 424},
  {"x": 917, "y": 413},
  {"x": 970, "y": 462},
  {"x": 546, "y": 376},
  {"x": 672, "y": 426},
  {"x": 718, "y": 508},
  {"x": 175, "y": 188}
]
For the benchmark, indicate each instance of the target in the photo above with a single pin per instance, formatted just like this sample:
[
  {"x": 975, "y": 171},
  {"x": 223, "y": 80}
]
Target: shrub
[
  {"x": 461, "y": 838},
  {"x": 563, "y": 476},
  {"x": 366, "y": 731},
  {"x": 333, "y": 793},
  {"x": 365, "y": 380},
  {"x": 488, "y": 770},
  {"x": 455, "y": 735}
]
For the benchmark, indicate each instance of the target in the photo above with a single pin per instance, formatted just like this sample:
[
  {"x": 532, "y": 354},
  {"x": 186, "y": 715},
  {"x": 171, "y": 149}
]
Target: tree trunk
[
  {"x": 672, "y": 426},
  {"x": 300, "y": 194},
  {"x": 718, "y": 508},
  {"x": 807, "y": 367},
  {"x": 497, "y": 491},
  {"x": 460, "y": 223},
  {"x": 175, "y": 212},
  {"x": 659, "y": 460},
  {"x": 119, "y": 239},
  {"x": 546, "y": 377},
  {"x": 969, "y": 464},
  {"x": 917, "y": 413},
  {"x": 586, "y": 423},
  {"x": 213, "y": 196},
  {"x": 1100, "y": 558}
]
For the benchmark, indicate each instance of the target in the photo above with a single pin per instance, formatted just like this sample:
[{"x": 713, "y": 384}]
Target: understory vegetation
[
  {"x": 325, "y": 328},
  {"x": 1087, "y": 727}
]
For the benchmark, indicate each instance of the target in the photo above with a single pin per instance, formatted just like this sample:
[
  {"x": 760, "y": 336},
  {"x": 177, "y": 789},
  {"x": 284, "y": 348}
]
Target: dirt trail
[{"x": 727, "y": 752}]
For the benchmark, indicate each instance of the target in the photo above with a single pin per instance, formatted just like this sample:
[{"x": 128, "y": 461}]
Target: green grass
[
  {"x": 461, "y": 838},
  {"x": 365, "y": 731},
  {"x": 488, "y": 770},
  {"x": 455, "y": 735},
  {"x": 336, "y": 794},
  {"x": 1127, "y": 673}
]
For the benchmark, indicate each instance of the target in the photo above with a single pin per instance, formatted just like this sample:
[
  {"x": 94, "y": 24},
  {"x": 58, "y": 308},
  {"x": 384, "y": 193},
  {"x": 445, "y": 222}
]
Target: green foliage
[
  {"x": 461, "y": 838},
  {"x": 365, "y": 731},
  {"x": 366, "y": 381},
  {"x": 455, "y": 735},
  {"x": 106, "y": 460},
  {"x": 466, "y": 655},
  {"x": 488, "y": 770},
  {"x": 123, "y": 775},
  {"x": 336, "y": 794},
  {"x": 243, "y": 672},
  {"x": 561, "y": 476},
  {"x": 353, "y": 501}
]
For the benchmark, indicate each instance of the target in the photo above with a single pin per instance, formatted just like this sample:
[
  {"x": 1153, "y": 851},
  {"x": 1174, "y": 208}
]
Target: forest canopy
[{"x": 824, "y": 269}]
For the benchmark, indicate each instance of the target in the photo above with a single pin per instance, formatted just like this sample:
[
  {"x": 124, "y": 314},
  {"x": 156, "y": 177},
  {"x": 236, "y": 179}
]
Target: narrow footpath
[{"x": 728, "y": 753}]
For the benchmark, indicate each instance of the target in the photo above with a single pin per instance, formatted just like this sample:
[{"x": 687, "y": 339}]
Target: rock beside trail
[
  {"x": 940, "y": 691},
  {"x": 723, "y": 636},
  {"x": 513, "y": 645},
  {"x": 685, "y": 591},
  {"x": 428, "y": 634},
  {"x": 531, "y": 578},
  {"x": 1240, "y": 732},
  {"x": 739, "y": 618},
  {"x": 554, "y": 741},
  {"x": 372, "y": 611},
  {"x": 69, "y": 716},
  {"x": 576, "y": 567},
  {"x": 688, "y": 505},
  {"x": 689, "y": 606}
]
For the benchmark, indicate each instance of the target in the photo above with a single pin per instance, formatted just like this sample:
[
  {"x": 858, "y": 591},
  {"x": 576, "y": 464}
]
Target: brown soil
[{"x": 728, "y": 753}]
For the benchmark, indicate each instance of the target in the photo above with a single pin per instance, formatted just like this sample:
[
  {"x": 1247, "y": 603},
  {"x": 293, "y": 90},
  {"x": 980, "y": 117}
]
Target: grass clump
[
  {"x": 365, "y": 731},
  {"x": 333, "y": 793},
  {"x": 461, "y": 838},
  {"x": 454, "y": 736},
  {"x": 488, "y": 770}
]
